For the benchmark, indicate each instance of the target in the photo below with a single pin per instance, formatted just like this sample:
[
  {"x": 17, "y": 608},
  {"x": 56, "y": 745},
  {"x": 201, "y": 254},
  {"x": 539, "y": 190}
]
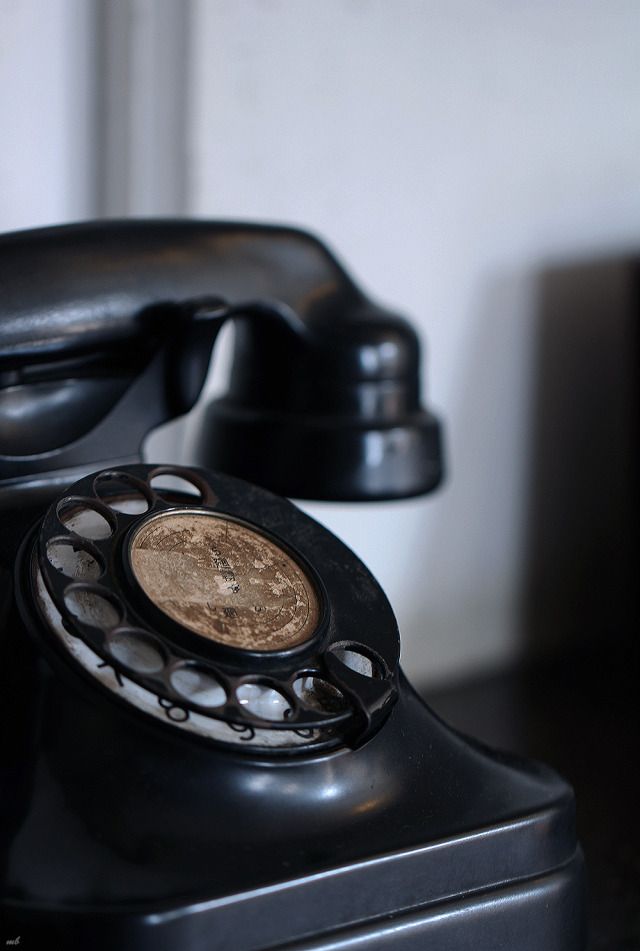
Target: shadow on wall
[
  {"x": 530, "y": 547},
  {"x": 580, "y": 537}
]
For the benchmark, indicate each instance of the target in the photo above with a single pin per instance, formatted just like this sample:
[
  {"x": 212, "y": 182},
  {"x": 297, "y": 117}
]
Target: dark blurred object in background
[
  {"x": 576, "y": 707},
  {"x": 581, "y": 539}
]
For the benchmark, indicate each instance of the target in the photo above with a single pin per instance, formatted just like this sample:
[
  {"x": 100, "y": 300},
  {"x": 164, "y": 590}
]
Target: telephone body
[{"x": 207, "y": 740}]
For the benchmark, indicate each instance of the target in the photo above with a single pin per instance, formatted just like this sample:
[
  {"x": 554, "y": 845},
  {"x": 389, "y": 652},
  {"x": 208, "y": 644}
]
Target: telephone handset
[
  {"x": 323, "y": 400},
  {"x": 207, "y": 739}
]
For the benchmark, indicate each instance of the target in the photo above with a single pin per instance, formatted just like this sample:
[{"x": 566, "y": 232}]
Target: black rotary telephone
[{"x": 207, "y": 740}]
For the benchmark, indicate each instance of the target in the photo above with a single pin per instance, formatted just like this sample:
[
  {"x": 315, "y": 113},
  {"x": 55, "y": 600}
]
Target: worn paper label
[{"x": 224, "y": 581}]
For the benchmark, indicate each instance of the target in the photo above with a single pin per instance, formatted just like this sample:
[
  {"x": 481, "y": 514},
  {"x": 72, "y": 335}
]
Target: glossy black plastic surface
[{"x": 118, "y": 832}]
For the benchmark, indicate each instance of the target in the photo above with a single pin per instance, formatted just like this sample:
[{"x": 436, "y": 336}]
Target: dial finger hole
[
  {"x": 198, "y": 685},
  {"x": 136, "y": 650},
  {"x": 73, "y": 561},
  {"x": 173, "y": 486},
  {"x": 354, "y": 659},
  {"x": 93, "y": 609},
  {"x": 263, "y": 701},
  {"x": 319, "y": 694},
  {"x": 121, "y": 494},
  {"x": 85, "y": 519}
]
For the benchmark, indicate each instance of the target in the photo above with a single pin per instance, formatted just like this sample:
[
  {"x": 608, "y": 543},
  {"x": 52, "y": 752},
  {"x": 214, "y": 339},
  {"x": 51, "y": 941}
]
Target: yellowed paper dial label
[{"x": 225, "y": 581}]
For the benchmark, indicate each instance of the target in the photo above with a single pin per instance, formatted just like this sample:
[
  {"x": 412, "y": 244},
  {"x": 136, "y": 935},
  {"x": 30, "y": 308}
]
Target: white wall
[
  {"x": 447, "y": 150},
  {"x": 47, "y": 168}
]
